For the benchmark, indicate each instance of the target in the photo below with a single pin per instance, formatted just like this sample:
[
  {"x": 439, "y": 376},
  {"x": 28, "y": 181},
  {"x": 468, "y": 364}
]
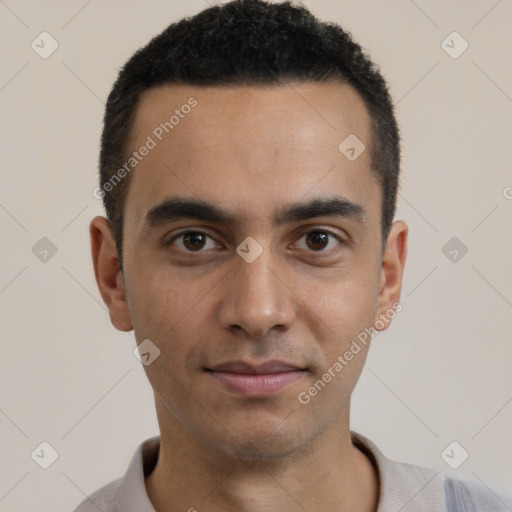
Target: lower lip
[{"x": 256, "y": 385}]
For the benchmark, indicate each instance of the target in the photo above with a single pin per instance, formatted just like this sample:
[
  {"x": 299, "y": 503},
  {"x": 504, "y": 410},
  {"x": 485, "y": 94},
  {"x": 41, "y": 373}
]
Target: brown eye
[
  {"x": 317, "y": 240},
  {"x": 192, "y": 241}
]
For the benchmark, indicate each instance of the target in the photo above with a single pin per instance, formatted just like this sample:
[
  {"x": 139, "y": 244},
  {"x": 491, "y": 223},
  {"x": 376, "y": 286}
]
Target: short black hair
[{"x": 248, "y": 42}]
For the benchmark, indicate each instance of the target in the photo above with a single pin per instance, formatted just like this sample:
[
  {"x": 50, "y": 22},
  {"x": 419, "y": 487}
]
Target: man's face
[{"x": 257, "y": 154}]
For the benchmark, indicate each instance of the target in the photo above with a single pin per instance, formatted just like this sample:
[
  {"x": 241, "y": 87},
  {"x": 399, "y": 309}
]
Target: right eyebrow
[{"x": 179, "y": 208}]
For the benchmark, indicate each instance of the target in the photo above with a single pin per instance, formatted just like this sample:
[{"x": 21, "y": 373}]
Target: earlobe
[
  {"x": 393, "y": 263},
  {"x": 108, "y": 274}
]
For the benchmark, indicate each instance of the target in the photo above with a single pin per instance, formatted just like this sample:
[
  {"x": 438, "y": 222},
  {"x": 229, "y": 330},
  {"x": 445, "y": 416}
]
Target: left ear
[{"x": 393, "y": 263}]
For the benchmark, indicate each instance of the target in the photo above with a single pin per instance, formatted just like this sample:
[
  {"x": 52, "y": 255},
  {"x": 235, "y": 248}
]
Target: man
[{"x": 249, "y": 169}]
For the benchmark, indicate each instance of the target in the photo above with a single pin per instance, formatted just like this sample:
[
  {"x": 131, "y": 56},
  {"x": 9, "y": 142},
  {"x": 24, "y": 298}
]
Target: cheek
[
  {"x": 169, "y": 320},
  {"x": 172, "y": 313},
  {"x": 345, "y": 302},
  {"x": 345, "y": 315},
  {"x": 160, "y": 301}
]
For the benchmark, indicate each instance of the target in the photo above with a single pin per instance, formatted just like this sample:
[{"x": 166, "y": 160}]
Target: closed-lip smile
[
  {"x": 256, "y": 380},
  {"x": 273, "y": 366}
]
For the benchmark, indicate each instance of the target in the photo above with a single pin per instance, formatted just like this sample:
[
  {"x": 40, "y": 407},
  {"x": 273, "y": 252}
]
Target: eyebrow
[{"x": 177, "y": 208}]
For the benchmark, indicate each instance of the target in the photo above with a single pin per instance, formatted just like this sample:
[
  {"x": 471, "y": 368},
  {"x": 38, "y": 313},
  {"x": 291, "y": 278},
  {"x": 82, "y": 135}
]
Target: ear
[
  {"x": 393, "y": 263},
  {"x": 108, "y": 274}
]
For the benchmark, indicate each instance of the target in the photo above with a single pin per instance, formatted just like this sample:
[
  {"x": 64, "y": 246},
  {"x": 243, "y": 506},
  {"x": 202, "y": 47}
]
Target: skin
[{"x": 253, "y": 150}]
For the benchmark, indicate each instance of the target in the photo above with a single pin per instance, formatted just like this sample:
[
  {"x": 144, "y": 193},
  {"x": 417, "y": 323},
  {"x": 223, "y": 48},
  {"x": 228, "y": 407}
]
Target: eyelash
[{"x": 313, "y": 230}]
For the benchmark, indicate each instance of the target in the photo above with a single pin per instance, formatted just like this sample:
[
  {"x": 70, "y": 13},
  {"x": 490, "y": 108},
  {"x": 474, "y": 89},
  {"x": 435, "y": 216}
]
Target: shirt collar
[
  {"x": 132, "y": 495},
  {"x": 403, "y": 487}
]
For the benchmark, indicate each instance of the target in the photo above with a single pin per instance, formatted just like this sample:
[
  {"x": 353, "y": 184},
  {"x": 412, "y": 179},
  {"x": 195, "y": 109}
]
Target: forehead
[
  {"x": 251, "y": 146},
  {"x": 312, "y": 111}
]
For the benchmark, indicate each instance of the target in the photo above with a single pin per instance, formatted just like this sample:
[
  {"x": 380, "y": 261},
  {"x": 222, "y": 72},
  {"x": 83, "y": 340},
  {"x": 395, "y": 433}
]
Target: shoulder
[
  {"x": 406, "y": 486},
  {"x": 465, "y": 495},
  {"x": 104, "y": 499},
  {"x": 127, "y": 494}
]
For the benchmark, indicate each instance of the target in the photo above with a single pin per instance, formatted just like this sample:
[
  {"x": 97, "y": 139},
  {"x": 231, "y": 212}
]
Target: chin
[
  {"x": 258, "y": 450},
  {"x": 259, "y": 442}
]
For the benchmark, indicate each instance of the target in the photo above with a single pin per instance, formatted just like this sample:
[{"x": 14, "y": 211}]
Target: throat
[{"x": 353, "y": 486}]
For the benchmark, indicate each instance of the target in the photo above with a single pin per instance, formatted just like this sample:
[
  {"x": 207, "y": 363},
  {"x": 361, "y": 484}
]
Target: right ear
[{"x": 108, "y": 273}]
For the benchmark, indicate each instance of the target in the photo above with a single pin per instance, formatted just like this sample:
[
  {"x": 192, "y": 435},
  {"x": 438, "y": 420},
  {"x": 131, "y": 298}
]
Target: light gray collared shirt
[{"x": 403, "y": 487}]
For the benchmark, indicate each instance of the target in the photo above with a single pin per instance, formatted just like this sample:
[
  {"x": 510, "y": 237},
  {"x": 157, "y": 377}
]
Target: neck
[{"x": 329, "y": 474}]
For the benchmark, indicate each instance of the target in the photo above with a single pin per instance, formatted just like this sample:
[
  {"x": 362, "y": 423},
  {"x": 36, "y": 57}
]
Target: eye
[
  {"x": 319, "y": 240},
  {"x": 192, "y": 241}
]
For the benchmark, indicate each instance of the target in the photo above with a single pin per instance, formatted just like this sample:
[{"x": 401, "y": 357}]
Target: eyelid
[
  {"x": 185, "y": 231},
  {"x": 335, "y": 231}
]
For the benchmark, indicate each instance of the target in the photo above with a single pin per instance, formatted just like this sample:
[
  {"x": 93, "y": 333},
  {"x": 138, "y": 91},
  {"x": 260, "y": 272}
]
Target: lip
[
  {"x": 274, "y": 366},
  {"x": 253, "y": 380}
]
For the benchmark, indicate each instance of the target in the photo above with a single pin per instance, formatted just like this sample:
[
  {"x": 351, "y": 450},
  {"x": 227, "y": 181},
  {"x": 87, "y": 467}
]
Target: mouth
[{"x": 253, "y": 380}]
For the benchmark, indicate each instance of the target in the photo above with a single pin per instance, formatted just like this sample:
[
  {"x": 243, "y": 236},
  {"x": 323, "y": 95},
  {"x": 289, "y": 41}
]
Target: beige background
[{"x": 442, "y": 373}]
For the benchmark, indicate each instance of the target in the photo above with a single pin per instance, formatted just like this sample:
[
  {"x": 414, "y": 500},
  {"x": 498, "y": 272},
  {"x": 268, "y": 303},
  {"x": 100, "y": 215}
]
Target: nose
[{"x": 257, "y": 298}]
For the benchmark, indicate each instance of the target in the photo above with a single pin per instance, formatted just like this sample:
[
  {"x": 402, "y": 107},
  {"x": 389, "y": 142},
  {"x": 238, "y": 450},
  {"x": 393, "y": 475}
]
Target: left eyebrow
[
  {"x": 180, "y": 208},
  {"x": 330, "y": 207}
]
